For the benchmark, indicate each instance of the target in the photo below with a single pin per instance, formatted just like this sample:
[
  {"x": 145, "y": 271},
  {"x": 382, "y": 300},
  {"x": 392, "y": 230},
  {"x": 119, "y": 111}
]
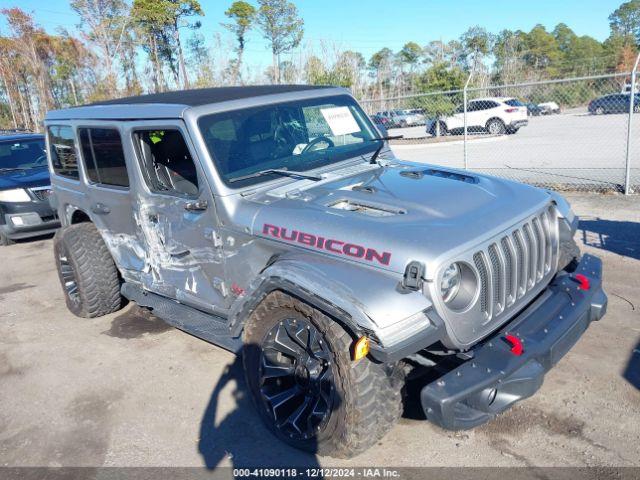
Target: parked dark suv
[
  {"x": 615, "y": 103},
  {"x": 24, "y": 188}
]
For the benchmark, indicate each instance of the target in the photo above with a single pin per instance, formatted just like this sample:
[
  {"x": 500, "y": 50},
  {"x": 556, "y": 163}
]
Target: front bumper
[
  {"x": 27, "y": 219},
  {"x": 495, "y": 378}
]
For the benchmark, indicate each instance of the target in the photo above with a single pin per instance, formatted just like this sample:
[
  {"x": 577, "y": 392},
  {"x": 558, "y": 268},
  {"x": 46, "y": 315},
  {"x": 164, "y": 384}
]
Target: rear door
[
  {"x": 176, "y": 218},
  {"x": 108, "y": 188}
]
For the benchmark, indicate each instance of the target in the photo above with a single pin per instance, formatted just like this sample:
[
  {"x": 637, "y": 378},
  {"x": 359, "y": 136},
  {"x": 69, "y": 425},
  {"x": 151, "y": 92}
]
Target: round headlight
[
  {"x": 450, "y": 283},
  {"x": 458, "y": 286}
]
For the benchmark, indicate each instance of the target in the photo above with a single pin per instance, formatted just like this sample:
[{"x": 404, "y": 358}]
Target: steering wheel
[{"x": 317, "y": 140}]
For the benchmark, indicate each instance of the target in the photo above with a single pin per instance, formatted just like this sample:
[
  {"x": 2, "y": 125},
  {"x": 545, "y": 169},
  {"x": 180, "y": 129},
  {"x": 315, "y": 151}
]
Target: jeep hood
[{"x": 429, "y": 216}]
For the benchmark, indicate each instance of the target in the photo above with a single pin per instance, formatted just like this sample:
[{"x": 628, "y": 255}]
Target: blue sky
[{"x": 367, "y": 26}]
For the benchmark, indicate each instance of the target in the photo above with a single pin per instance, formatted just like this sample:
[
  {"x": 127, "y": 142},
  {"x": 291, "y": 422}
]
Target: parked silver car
[
  {"x": 402, "y": 118},
  {"x": 334, "y": 267}
]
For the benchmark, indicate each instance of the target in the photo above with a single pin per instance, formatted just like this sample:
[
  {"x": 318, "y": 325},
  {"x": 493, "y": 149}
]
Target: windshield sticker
[{"x": 340, "y": 120}]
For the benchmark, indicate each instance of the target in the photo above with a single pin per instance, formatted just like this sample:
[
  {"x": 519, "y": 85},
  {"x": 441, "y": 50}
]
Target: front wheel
[
  {"x": 599, "y": 111},
  {"x": 307, "y": 389}
]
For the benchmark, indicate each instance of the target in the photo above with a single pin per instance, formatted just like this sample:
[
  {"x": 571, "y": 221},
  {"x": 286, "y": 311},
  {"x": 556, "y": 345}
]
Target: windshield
[
  {"x": 22, "y": 154},
  {"x": 296, "y": 136}
]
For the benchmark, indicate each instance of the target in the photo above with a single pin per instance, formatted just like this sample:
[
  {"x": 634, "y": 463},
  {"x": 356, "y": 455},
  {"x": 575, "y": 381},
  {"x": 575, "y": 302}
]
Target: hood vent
[
  {"x": 364, "y": 188},
  {"x": 434, "y": 172},
  {"x": 366, "y": 209}
]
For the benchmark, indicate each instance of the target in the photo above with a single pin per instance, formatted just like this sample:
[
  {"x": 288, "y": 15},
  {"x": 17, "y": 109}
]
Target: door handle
[
  {"x": 100, "y": 209},
  {"x": 197, "y": 206}
]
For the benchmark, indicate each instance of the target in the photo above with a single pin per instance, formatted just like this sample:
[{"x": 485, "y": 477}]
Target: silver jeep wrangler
[{"x": 275, "y": 221}]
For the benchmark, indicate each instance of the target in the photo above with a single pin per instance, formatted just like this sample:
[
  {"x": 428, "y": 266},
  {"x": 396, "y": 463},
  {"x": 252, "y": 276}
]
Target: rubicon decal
[{"x": 329, "y": 244}]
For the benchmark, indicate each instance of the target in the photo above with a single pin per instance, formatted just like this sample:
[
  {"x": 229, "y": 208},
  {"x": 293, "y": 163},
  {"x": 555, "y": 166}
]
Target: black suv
[{"x": 24, "y": 188}]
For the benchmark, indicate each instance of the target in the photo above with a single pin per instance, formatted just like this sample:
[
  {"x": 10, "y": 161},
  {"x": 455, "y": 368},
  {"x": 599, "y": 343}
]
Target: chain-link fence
[{"x": 570, "y": 134}]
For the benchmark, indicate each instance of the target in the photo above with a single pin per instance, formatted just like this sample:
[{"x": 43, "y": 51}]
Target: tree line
[{"x": 129, "y": 47}]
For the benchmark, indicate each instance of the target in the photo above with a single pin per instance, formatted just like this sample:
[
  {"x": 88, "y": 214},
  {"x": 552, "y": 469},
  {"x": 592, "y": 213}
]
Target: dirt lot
[{"x": 127, "y": 390}]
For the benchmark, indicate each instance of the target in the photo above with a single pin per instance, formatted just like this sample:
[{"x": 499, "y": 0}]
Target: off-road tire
[
  {"x": 500, "y": 128},
  {"x": 97, "y": 291},
  {"x": 369, "y": 393}
]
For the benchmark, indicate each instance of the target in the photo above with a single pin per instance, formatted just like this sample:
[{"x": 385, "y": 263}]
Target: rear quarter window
[
  {"x": 62, "y": 151},
  {"x": 103, "y": 156}
]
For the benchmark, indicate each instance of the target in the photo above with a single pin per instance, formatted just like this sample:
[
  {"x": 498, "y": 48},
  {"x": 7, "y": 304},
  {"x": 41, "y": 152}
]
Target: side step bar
[{"x": 208, "y": 327}]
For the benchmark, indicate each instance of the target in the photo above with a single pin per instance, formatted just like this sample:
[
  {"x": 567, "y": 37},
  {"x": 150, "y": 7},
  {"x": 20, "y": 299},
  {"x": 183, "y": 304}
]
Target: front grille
[
  {"x": 41, "y": 194},
  {"x": 515, "y": 263}
]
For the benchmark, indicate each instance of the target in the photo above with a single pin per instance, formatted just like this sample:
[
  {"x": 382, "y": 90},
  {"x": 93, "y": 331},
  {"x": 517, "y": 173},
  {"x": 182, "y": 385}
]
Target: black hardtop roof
[{"x": 204, "y": 96}]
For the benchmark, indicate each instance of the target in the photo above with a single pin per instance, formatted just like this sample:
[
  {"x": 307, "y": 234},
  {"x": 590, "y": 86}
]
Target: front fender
[{"x": 364, "y": 299}]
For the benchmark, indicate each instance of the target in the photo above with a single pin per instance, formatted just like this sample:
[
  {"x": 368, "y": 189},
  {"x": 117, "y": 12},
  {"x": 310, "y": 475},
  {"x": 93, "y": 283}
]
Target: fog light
[{"x": 17, "y": 221}]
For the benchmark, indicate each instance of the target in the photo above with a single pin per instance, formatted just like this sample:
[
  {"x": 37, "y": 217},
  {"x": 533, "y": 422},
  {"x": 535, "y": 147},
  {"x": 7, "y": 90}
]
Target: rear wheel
[
  {"x": 495, "y": 126},
  {"x": 307, "y": 389},
  {"x": 599, "y": 111},
  {"x": 87, "y": 273}
]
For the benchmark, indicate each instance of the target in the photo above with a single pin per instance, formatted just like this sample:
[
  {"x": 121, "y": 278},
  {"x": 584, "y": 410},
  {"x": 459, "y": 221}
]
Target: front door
[{"x": 176, "y": 218}]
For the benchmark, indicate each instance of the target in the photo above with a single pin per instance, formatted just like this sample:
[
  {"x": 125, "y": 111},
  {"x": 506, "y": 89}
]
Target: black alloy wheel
[{"x": 296, "y": 378}]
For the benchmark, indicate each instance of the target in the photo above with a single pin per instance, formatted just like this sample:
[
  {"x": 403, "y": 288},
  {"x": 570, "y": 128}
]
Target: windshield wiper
[
  {"x": 374, "y": 157},
  {"x": 277, "y": 171}
]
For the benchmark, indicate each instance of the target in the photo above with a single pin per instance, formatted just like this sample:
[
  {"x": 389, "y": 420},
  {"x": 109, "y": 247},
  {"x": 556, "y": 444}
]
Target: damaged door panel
[
  {"x": 109, "y": 194},
  {"x": 175, "y": 218}
]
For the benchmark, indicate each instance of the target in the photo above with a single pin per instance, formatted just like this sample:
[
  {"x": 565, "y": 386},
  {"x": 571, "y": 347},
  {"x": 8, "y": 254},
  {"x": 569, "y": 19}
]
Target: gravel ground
[{"x": 127, "y": 390}]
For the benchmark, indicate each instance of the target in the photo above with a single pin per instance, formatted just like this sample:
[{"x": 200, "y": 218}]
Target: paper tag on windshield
[{"x": 340, "y": 120}]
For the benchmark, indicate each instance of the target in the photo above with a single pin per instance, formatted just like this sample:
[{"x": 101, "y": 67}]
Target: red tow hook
[
  {"x": 516, "y": 344},
  {"x": 583, "y": 281}
]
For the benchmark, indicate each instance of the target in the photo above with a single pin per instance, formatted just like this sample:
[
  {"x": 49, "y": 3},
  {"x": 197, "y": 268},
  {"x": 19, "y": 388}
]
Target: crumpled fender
[{"x": 357, "y": 295}]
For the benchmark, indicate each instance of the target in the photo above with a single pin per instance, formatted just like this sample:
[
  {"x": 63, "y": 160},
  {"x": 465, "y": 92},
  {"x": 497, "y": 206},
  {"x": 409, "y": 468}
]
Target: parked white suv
[{"x": 495, "y": 115}]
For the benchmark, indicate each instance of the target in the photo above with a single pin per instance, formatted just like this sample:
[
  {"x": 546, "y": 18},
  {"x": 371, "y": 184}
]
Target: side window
[
  {"x": 166, "y": 162},
  {"x": 103, "y": 156},
  {"x": 62, "y": 151},
  {"x": 473, "y": 107}
]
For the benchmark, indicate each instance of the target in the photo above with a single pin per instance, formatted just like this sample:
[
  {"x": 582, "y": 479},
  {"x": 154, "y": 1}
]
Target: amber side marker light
[{"x": 360, "y": 348}]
